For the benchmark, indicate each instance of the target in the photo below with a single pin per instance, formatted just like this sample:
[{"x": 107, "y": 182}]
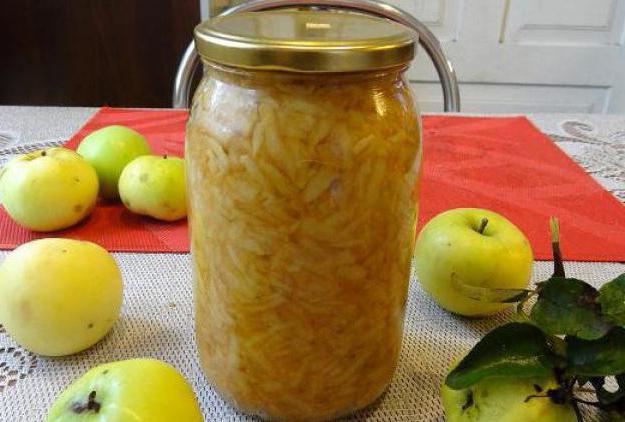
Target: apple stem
[
  {"x": 558, "y": 266},
  {"x": 483, "y": 224},
  {"x": 91, "y": 405}
]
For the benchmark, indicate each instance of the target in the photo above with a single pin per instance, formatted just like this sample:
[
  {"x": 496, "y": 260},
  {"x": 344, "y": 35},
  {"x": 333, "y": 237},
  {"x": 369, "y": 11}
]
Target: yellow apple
[
  {"x": 504, "y": 400},
  {"x": 155, "y": 186},
  {"x": 136, "y": 390},
  {"x": 455, "y": 254},
  {"x": 109, "y": 150},
  {"x": 59, "y": 296},
  {"x": 50, "y": 189}
]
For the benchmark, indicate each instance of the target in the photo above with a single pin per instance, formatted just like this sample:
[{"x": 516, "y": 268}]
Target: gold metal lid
[{"x": 305, "y": 41}]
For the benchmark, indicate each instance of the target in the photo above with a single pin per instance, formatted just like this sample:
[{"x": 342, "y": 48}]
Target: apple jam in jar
[{"x": 303, "y": 156}]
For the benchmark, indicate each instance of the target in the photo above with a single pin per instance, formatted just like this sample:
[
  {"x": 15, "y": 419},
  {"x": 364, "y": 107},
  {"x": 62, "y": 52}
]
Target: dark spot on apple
[
  {"x": 90, "y": 406},
  {"x": 64, "y": 250},
  {"x": 90, "y": 325},
  {"x": 469, "y": 401},
  {"x": 77, "y": 179},
  {"x": 143, "y": 178},
  {"x": 106, "y": 371},
  {"x": 538, "y": 388},
  {"x": 78, "y": 208},
  {"x": 165, "y": 157},
  {"x": 26, "y": 309},
  {"x": 43, "y": 153},
  {"x": 449, "y": 244}
]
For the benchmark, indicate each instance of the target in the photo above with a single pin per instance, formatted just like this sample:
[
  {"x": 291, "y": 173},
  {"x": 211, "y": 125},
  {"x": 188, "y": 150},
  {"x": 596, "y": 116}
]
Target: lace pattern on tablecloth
[
  {"x": 15, "y": 364},
  {"x": 601, "y": 153}
]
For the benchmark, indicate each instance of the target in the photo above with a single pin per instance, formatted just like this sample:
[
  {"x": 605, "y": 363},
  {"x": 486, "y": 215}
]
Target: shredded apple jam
[{"x": 302, "y": 210}]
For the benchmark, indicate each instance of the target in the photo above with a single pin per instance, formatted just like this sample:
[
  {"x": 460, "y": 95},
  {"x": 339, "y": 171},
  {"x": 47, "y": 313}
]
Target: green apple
[
  {"x": 471, "y": 248},
  {"x": 50, "y": 189},
  {"x": 155, "y": 186},
  {"x": 109, "y": 150},
  {"x": 136, "y": 390},
  {"x": 504, "y": 400},
  {"x": 59, "y": 296}
]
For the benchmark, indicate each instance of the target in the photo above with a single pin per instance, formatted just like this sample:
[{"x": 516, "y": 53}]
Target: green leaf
[
  {"x": 512, "y": 350},
  {"x": 557, "y": 345},
  {"x": 597, "y": 358},
  {"x": 612, "y": 300},
  {"x": 569, "y": 306}
]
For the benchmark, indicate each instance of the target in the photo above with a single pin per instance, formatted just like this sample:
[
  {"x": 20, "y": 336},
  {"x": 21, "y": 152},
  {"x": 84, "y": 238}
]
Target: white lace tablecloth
[{"x": 157, "y": 317}]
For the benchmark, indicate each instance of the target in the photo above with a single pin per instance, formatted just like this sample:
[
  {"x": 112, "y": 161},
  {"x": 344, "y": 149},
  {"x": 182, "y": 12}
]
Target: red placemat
[
  {"x": 507, "y": 165},
  {"x": 503, "y": 164},
  {"x": 110, "y": 224}
]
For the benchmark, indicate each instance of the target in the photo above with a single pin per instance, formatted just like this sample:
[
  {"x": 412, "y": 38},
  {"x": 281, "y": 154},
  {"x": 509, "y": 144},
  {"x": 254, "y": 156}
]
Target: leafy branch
[{"x": 573, "y": 332}]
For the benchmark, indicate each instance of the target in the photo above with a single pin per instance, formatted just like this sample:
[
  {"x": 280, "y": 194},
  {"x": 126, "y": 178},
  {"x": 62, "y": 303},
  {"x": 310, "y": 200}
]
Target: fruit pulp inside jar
[{"x": 303, "y": 202}]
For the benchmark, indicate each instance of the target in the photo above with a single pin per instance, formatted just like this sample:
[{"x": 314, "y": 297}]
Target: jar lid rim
[{"x": 305, "y": 41}]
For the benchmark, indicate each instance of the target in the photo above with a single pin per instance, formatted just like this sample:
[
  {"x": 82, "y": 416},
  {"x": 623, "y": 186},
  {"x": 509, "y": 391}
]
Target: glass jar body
[{"x": 303, "y": 202}]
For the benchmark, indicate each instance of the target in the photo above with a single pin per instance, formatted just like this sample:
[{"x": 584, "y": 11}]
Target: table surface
[{"x": 157, "y": 316}]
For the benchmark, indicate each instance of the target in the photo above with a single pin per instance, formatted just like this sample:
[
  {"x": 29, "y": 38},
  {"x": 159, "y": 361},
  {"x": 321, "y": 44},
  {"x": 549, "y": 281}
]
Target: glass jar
[{"x": 303, "y": 157}]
